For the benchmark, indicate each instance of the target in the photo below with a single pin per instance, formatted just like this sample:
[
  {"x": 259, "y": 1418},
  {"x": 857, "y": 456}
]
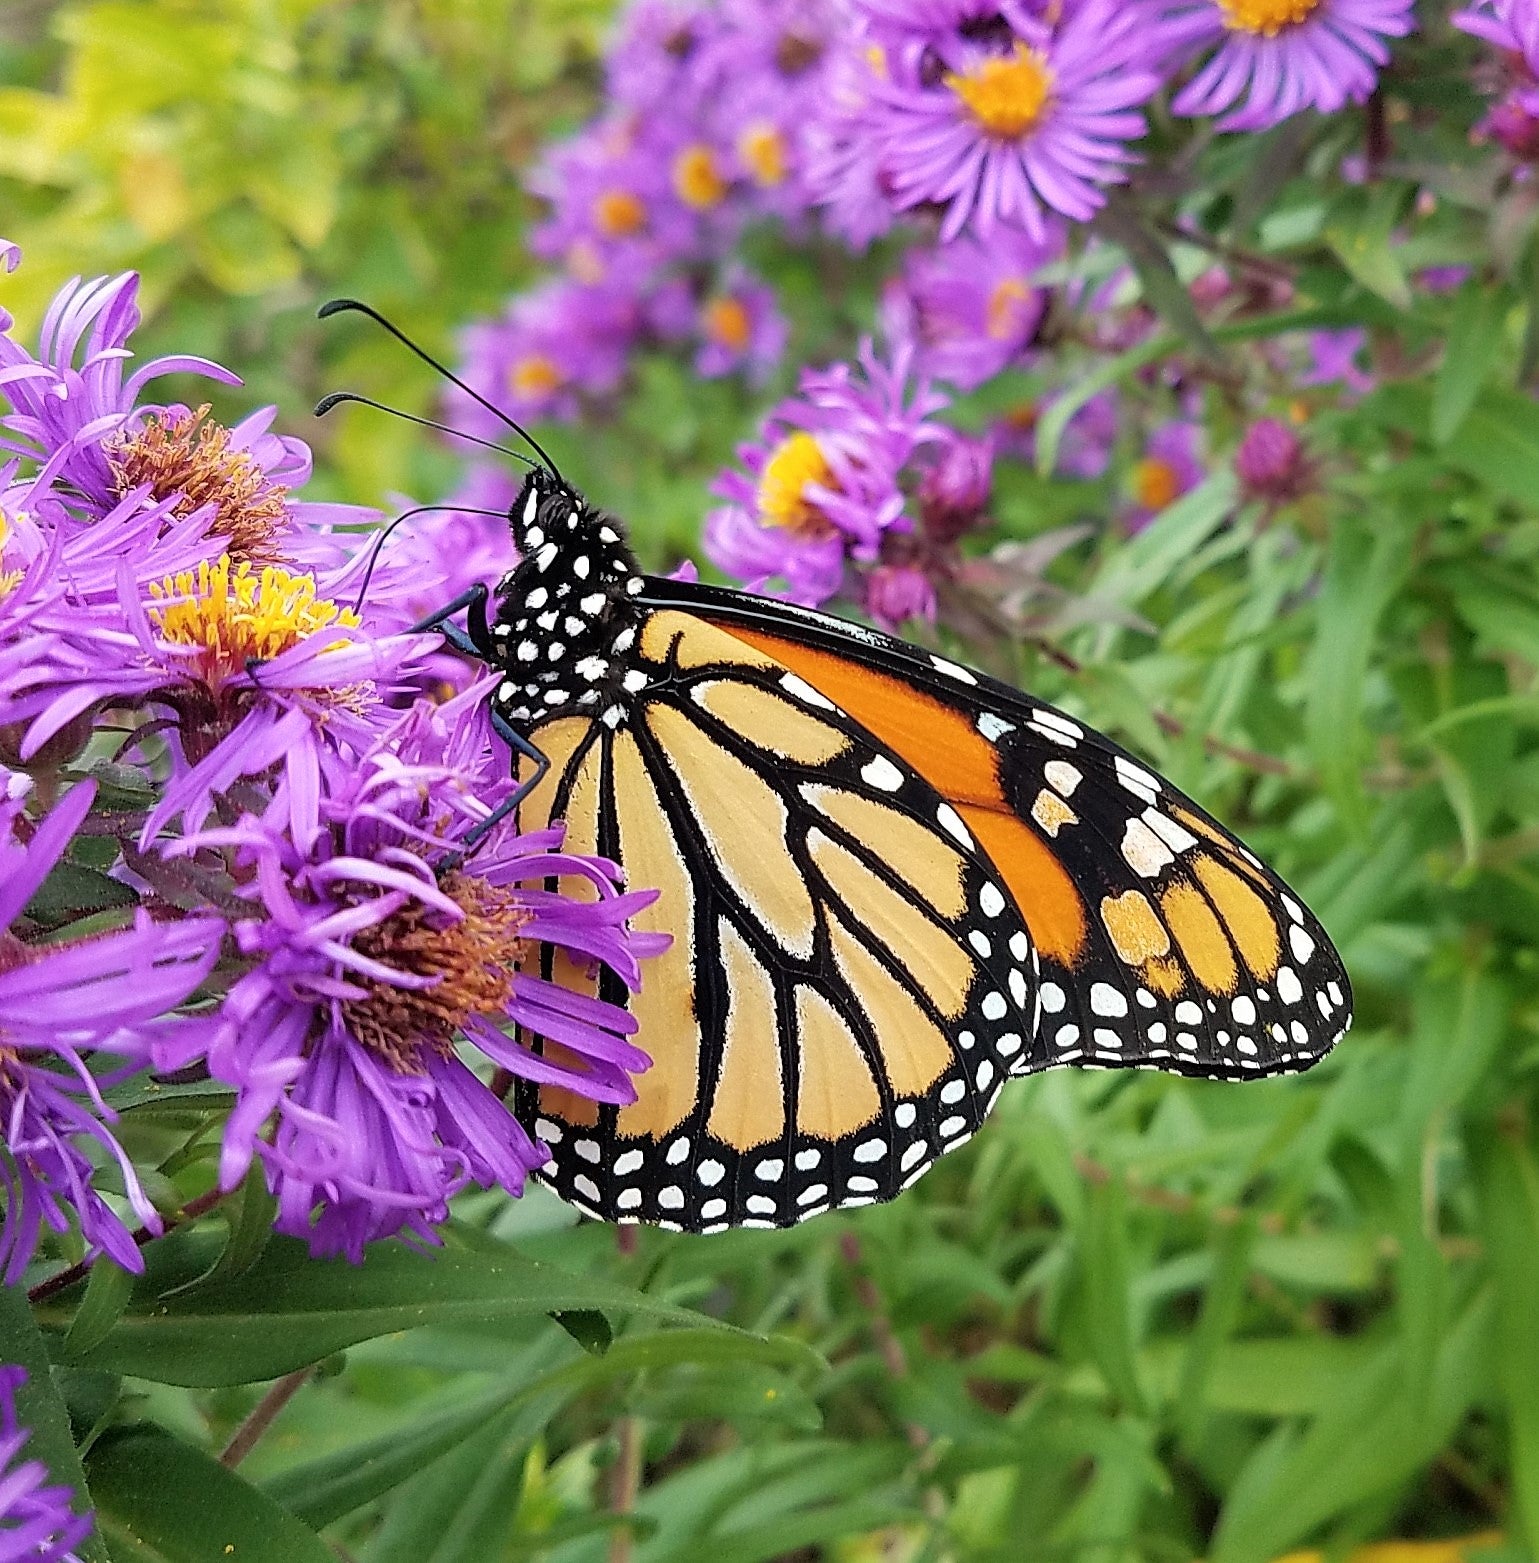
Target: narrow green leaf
[
  {"x": 1361, "y": 232},
  {"x": 1509, "y": 1179},
  {"x": 40, "y": 1408},
  {"x": 1497, "y": 444},
  {"x": 1474, "y": 339},
  {"x": 72, "y": 890},
  {"x": 106, "y": 1296},
  {"x": 1108, "y": 1307},
  {"x": 249, "y": 1217},
  {"x": 1056, "y": 419},
  {"x": 289, "y": 1310},
  {"x": 1220, "y": 1311},
  {"x": 1121, "y": 222},
  {"x": 162, "y": 1501},
  {"x": 1144, "y": 564},
  {"x": 589, "y": 1328}
]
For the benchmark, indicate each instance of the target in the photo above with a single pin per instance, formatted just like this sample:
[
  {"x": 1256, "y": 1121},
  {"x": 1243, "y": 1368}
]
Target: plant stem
[
  {"x": 624, "y": 1485},
  {"x": 262, "y": 1416}
]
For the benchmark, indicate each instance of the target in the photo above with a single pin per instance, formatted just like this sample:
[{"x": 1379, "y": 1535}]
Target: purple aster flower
[
  {"x": 1001, "y": 117},
  {"x": 1272, "y": 464},
  {"x": 1333, "y": 360},
  {"x": 552, "y": 347},
  {"x": 740, "y": 329},
  {"x": 658, "y": 58},
  {"x": 65, "y": 412},
  {"x": 1280, "y": 56},
  {"x": 957, "y": 485},
  {"x": 372, "y": 950},
  {"x": 843, "y": 160},
  {"x": 824, "y": 480},
  {"x": 1168, "y": 468},
  {"x": 896, "y": 593},
  {"x": 38, "y": 1522},
  {"x": 60, "y": 1004},
  {"x": 972, "y": 307},
  {"x": 1512, "y": 27}
]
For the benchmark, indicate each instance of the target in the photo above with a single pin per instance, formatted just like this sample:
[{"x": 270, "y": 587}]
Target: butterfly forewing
[
  {"x": 849, "y": 982},
  {"x": 1162, "y": 940}
]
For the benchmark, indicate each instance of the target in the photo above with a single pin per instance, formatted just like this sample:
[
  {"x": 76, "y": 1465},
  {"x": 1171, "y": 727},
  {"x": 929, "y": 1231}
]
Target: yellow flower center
[
  {"x": 619, "y": 213},
  {"x": 9, "y": 579},
  {"x": 1155, "y": 483},
  {"x": 232, "y": 612},
  {"x": 1266, "y": 17},
  {"x": 534, "y": 377},
  {"x": 473, "y": 960},
  {"x": 1007, "y": 308},
  {"x": 697, "y": 179},
  {"x": 1006, "y": 96},
  {"x": 727, "y": 322},
  {"x": 763, "y": 152},
  {"x": 797, "y": 462},
  {"x": 178, "y": 453}
]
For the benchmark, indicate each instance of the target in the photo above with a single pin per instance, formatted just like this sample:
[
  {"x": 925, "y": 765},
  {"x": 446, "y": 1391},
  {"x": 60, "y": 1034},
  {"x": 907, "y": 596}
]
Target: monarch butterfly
[{"x": 892, "y": 882}]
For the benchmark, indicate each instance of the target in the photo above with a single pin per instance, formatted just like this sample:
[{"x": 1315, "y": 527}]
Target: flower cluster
[{"x": 233, "y": 833}]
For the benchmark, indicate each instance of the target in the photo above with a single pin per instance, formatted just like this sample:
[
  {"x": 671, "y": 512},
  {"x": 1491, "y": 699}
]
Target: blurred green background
[{"x": 1138, "y": 1317}]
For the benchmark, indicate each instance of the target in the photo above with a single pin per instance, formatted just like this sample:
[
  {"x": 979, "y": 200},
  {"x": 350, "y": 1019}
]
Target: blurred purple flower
[
  {"x": 1280, "y": 56},
  {"x": 551, "y": 347},
  {"x": 1333, "y": 360},
  {"x": 896, "y": 593},
  {"x": 1272, "y": 464},
  {"x": 824, "y": 479},
  {"x": 658, "y": 56},
  {"x": 1511, "y": 27},
  {"x": 10, "y": 259},
  {"x": 1085, "y": 449},
  {"x": 844, "y": 172},
  {"x": 372, "y": 950},
  {"x": 1000, "y": 121},
  {"x": 740, "y": 329},
  {"x": 60, "y": 1003},
  {"x": 957, "y": 485},
  {"x": 1169, "y": 467},
  {"x": 38, "y": 1522},
  {"x": 971, "y": 306}
]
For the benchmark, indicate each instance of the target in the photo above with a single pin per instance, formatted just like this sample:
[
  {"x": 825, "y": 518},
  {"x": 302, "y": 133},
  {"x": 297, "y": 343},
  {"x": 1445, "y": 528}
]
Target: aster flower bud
[
  {"x": 956, "y": 487},
  {"x": 1271, "y": 462},
  {"x": 896, "y": 593}
]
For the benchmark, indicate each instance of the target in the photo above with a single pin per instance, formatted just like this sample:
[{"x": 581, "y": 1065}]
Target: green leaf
[
  {"x": 1497, "y": 444},
  {"x": 1474, "y": 339},
  {"x": 1121, "y": 222},
  {"x": 1145, "y": 563},
  {"x": 72, "y": 890},
  {"x": 1509, "y": 1179},
  {"x": 40, "y": 1408},
  {"x": 590, "y": 1329},
  {"x": 1361, "y": 232},
  {"x": 1056, "y": 419},
  {"x": 162, "y": 1501},
  {"x": 107, "y": 1291},
  {"x": 289, "y": 1310}
]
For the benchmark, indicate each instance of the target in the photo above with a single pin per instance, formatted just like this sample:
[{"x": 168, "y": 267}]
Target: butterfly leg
[
  {"x": 478, "y": 641},
  {"x": 520, "y": 745}
]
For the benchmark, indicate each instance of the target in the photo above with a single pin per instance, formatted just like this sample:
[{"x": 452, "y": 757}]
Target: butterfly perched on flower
[{"x": 891, "y": 883}]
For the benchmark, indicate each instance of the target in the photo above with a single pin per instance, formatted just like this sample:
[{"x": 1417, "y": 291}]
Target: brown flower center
[
  {"x": 473, "y": 961},
  {"x": 177, "y": 453}
]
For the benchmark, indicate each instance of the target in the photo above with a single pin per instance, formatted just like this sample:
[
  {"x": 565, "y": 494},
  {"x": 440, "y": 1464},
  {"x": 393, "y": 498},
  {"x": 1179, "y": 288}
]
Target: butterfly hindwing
[
  {"x": 848, "y": 983},
  {"x": 1162, "y": 940}
]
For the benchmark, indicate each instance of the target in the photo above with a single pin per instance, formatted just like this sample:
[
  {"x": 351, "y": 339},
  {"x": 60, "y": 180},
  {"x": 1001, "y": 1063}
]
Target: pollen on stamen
[
  {"x": 233, "y": 613},
  {"x": 178, "y": 453},
  {"x": 471, "y": 964}
]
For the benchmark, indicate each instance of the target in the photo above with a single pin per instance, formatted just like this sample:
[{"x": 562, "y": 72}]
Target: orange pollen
[
  {"x": 1006, "y": 97},
  {"x": 726, "y": 321},
  {"x": 619, "y": 214},
  {"x": 1007, "y": 308},
  {"x": 697, "y": 179},
  {"x": 177, "y": 453},
  {"x": 534, "y": 377},
  {"x": 1155, "y": 483},
  {"x": 473, "y": 960},
  {"x": 763, "y": 151},
  {"x": 1266, "y": 17},
  {"x": 798, "y": 461}
]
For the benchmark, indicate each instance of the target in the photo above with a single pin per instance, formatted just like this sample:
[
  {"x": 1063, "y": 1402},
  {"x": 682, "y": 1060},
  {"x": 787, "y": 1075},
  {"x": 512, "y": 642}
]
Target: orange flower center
[
  {"x": 764, "y": 154},
  {"x": 798, "y": 461},
  {"x": 619, "y": 213},
  {"x": 1266, "y": 17},
  {"x": 697, "y": 179},
  {"x": 1155, "y": 483},
  {"x": 534, "y": 377},
  {"x": 727, "y": 322},
  {"x": 1008, "y": 304},
  {"x": 1007, "y": 97}
]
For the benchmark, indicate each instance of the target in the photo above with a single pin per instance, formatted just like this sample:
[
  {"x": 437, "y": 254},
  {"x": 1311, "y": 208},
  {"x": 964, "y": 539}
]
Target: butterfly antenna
[
  {"x": 326, "y": 403},
  {"x": 337, "y": 305},
  {"x": 379, "y": 542}
]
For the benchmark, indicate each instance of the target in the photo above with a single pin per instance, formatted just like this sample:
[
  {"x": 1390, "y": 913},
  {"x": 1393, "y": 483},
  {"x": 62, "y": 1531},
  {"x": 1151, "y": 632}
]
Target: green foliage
[{"x": 1138, "y": 1318}]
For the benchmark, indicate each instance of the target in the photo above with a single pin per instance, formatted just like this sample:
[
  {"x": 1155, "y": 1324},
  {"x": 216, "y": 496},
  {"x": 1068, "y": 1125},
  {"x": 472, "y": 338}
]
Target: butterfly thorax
[{"x": 566, "y": 617}]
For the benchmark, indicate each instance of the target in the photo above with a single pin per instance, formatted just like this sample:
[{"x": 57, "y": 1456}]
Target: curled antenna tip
[
  {"x": 335, "y": 306},
  {"x": 326, "y": 403}
]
